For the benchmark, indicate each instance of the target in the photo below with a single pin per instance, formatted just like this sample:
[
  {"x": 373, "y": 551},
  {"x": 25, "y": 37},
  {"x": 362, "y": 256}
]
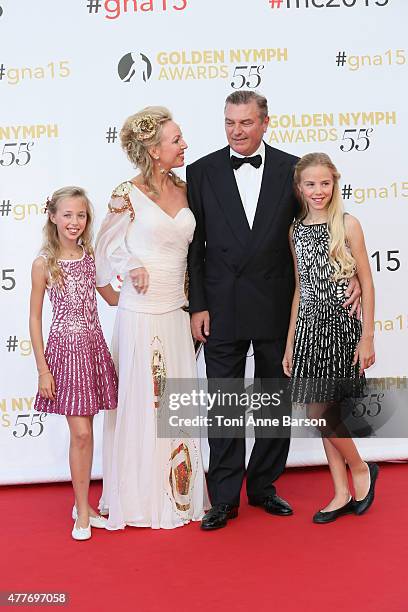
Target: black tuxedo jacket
[{"x": 243, "y": 277}]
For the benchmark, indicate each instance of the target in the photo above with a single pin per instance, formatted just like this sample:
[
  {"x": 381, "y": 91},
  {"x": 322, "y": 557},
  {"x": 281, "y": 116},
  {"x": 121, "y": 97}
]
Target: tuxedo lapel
[
  {"x": 269, "y": 194},
  {"x": 221, "y": 177},
  {"x": 273, "y": 181}
]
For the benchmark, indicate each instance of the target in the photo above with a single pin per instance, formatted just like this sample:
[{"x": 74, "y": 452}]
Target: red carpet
[{"x": 258, "y": 562}]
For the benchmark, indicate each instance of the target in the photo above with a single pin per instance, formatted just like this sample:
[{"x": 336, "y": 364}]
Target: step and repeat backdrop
[{"x": 335, "y": 74}]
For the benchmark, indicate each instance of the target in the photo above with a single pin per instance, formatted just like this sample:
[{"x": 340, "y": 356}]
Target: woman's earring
[{"x": 162, "y": 170}]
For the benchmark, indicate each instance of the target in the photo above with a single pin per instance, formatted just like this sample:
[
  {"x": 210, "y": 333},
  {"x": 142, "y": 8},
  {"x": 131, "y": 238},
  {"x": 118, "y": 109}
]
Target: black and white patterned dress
[{"x": 325, "y": 336}]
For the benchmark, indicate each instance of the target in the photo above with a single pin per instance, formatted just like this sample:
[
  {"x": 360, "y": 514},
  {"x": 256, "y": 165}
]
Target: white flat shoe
[
  {"x": 81, "y": 533},
  {"x": 95, "y": 521}
]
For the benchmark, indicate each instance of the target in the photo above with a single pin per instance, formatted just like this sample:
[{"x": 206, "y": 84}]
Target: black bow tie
[{"x": 237, "y": 162}]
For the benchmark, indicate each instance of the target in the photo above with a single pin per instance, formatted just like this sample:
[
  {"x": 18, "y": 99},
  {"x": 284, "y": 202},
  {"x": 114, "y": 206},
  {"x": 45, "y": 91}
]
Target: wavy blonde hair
[
  {"x": 138, "y": 150},
  {"x": 340, "y": 256},
  {"x": 51, "y": 247}
]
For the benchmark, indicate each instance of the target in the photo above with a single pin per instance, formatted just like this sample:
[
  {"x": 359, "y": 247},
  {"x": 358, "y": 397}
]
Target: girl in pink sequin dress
[{"x": 76, "y": 375}]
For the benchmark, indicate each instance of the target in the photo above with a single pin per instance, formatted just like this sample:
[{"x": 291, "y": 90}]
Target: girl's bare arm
[
  {"x": 287, "y": 359},
  {"x": 46, "y": 385},
  {"x": 355, "y": 237},
  {"x": 109, "y": 294}
]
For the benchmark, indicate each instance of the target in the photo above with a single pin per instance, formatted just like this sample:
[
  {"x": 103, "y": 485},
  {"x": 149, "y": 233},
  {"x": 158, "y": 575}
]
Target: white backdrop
[{"x": 72, "y": 71}]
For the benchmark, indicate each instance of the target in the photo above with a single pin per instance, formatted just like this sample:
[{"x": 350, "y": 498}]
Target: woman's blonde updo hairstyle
[{"x": 139, "y": 133}]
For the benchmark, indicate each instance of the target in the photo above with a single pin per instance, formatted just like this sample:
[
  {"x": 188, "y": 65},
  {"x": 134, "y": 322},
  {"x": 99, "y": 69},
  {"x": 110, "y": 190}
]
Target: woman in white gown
[{"x": 149, "y": 481}]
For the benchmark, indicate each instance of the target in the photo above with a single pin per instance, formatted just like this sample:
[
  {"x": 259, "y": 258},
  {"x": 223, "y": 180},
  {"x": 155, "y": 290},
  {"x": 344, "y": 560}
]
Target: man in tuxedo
[{"x": 241, "y": 284}]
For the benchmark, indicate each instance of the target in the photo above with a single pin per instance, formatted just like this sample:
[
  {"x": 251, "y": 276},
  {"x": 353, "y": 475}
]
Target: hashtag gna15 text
[{"x": 113, "y": 9}]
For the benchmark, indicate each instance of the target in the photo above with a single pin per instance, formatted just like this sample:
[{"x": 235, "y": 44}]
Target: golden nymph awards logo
[
  {"x": 18, "y": 416},
  {"x": 184, "y": 65},
  {"x": 354, "y": 130},
  {"x": 19, "y": 151}
]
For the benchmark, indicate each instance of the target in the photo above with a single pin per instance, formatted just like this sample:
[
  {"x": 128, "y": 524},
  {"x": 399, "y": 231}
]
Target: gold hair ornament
[{"x": 145, "y": 127}]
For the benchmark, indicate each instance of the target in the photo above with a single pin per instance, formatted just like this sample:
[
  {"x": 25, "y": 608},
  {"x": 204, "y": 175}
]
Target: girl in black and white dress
[{"x": 328, "y": 350}]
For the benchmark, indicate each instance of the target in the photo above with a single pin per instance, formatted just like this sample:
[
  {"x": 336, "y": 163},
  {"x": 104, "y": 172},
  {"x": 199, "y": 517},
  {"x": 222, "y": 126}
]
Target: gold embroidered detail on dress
[
  {"x": 180, "y": 476},
  {"x": 158, "y": 372},
  {"x": 122, "y": 191}
]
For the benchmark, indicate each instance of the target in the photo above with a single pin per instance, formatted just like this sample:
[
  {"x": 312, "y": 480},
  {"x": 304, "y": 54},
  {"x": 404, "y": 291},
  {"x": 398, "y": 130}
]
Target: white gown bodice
[{"x": 137, "y": 232}]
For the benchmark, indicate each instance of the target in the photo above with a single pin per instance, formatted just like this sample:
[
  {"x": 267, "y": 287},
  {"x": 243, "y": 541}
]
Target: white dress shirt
[{"x": 249, "y": 181}]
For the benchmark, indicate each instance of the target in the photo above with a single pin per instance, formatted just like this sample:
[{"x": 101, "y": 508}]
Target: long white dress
[{"x": 148, "y": 481}]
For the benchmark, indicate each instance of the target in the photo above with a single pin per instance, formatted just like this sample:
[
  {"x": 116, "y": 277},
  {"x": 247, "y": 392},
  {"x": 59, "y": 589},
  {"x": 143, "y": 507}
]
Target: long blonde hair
[
  {"x": 340, "y": 257},
  {"x": 51, "y": 245},
  {"x": 137, "y": 150}
]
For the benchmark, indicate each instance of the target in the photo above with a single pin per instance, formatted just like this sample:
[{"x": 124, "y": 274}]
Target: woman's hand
[
  {"x": 140, "y": 279},
  {"x": 46, "y": 385},
  {"x": 364, "y": 353},
  {"x": 288, "y": 360}
]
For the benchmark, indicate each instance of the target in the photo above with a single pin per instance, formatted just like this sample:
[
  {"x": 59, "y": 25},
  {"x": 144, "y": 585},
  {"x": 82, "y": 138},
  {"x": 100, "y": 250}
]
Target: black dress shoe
[
  {"x": 330, "y": 516},
  {"x": 218, "y": 516},
  {"x": 273, "y": 504},
  {"x": 362, "y": 505}
]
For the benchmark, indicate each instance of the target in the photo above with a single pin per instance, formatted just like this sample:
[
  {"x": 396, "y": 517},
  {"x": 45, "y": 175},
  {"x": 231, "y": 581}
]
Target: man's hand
[
  {"x": 353, "y": 293},
  {"x": 200, "y": 325}
]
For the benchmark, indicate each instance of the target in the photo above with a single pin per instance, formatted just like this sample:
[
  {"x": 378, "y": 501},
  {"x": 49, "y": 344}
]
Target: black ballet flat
[
  {"x": 328, "y": 517},
  {"x": 362, "y": 505}
]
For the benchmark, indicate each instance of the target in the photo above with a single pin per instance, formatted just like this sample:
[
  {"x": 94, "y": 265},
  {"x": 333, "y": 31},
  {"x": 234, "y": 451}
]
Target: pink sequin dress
[{"x": 76, "y": 353}]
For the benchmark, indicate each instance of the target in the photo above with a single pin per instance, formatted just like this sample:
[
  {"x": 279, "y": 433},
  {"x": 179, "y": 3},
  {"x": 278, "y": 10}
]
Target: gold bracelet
[{"x": 45, "y": 372}]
